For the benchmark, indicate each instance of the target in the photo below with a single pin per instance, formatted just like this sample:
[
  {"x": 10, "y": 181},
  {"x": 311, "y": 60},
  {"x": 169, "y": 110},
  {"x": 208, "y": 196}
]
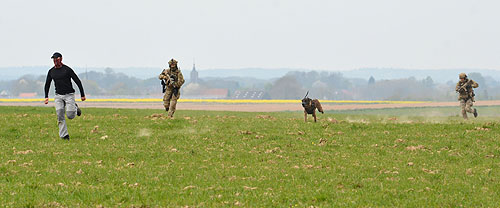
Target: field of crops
[{"x": 369, "y": 158}]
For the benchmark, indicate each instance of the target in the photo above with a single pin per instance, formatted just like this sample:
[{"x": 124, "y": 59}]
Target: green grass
[
  {"x": 201, "y": 158},
  {"x": 484, "y": 111}
]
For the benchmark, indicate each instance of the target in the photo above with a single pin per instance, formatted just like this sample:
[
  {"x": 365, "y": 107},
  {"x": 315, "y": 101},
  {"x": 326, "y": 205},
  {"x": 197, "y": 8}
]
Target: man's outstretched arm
[
  {"x": 78, "y": 83},
  {"x": 48, "y": 80}
]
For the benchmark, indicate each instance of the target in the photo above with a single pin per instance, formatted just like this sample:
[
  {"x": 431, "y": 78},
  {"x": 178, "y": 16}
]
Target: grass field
[
  {"x": 226, "y": 101},
  {"x": 370, "y": 158},
  {"x": 427, "y": 113}
]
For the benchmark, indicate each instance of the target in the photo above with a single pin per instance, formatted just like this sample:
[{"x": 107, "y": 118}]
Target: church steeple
[{"x": 194, "y": 74}]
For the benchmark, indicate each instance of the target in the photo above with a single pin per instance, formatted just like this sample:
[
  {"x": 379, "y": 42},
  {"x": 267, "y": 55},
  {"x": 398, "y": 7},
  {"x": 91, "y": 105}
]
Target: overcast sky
[{"x": 312, "y": 34}]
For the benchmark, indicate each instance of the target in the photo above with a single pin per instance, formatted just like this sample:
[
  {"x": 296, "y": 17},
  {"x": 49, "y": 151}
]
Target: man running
[
  {"x": 173, "y": 80},
  {"x": 466, "y": 94},
  {"x": 65, "y": 94}
]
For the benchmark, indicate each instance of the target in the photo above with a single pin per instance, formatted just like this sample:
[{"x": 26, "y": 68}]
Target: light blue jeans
[{"x": 64, "y": 104}]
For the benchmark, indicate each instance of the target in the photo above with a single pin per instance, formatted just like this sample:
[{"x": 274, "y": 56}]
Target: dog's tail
[{"x": 318, "y": 105}]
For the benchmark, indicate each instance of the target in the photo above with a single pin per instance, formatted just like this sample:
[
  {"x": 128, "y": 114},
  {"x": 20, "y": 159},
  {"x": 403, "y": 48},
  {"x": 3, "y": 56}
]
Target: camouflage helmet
[
  {"x": 462, "y": 76},
  {"x": 172, "y": 61}
]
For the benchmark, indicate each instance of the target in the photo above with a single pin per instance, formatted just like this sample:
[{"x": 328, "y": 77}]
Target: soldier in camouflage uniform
[
  {"x": 466, "y": 94},
  {"x": 173, "y": 81}
]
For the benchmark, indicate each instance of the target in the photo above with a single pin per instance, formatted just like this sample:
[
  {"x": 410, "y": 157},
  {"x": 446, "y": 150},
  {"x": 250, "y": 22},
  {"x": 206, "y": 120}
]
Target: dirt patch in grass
[{"x": 253, "y": 107}]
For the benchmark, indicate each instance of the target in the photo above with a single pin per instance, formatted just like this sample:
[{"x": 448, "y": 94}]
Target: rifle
[
  {"x": 165, "y": 82},
  {"x": 464, "y": 86},
  {"x": 175, "y": 91},
  {"x": 163, "y": 86}
]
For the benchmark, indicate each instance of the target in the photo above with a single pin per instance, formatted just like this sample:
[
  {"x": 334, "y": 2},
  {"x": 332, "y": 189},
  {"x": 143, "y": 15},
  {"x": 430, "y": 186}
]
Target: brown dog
[{"x": 310, "y": 106}]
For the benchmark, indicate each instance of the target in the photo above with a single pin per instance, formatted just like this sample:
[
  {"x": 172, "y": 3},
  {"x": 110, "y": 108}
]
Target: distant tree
[
  {"x": 336, "y": 80},
  {"x": 108, "y": 70},
  {"x": 192, "y": 89},
  {"x": 268, "y": 87},
  {"x": 120, "y": 88},
  {"x": 286, "y": 87},
  {"x": 322, "y": 91},
  {"x": 451, "y": 83},
  {"x": 371, "y": 81},
  {"x": 403, "y": 89},
  {"x": 477, "y": 77},
  {"x": 5, "y": 85},
  {"x": 91, "y": 87},
  {"x": 27, "y": 84},
  {"x": 219, "y": 83},
  {"x": 428, "y": 82},
  {"x": 312, "y": 76},
  {"x": 323, "y": 74}
]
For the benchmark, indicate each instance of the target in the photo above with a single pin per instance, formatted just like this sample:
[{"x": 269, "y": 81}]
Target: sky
[{"x": 315, "y": 34}]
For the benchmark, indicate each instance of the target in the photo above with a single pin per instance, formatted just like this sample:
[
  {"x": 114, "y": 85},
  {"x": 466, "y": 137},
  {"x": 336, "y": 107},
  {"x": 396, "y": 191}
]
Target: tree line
[{"x": 322, "y": 85}]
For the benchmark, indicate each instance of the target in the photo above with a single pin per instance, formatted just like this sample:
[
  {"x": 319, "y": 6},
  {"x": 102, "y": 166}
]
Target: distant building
[
  {"x": 250, "y": 95},
  {"x": 194, "y": 75}
]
